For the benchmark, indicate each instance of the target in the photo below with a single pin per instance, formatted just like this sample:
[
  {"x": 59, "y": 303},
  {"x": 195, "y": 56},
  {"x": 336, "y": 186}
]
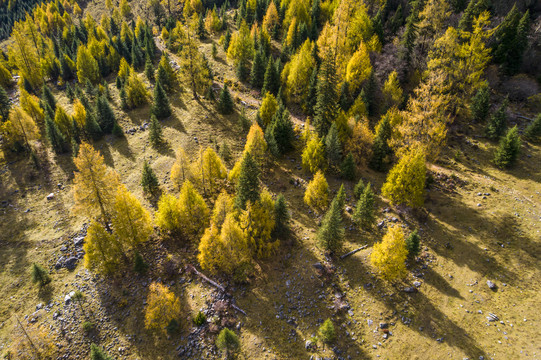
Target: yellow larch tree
[
  {"x": 180, "y": 171},
  {"x": 168, "y": 214},
  {"x": 132, "y": 223},
  {"x": 359, "y": 68},
  {"x": 241, "y": 46},
  {"x": 19, "y": 128},
  {"x": 210, "y": 169},
  {"x": 94, "y": 185},
  {"x": 30, "y": 104},
  {"x": 194, "y": 213},
  {"x": 257, "y": 222},
  {"x": 102, "y": 251},
  {"x": 297, "y": 72},
  {"x": 269, "y": 105},
  {"x": 405, "y": 182},
  {"x": 389, "y": 255},
  {"x": 271, "y": 18},
  {"x": 224, "y": 205},
  {"x": 392, "y": 93},
  {"x": 162, "y": 307},
  {"x": 256, "y": 144},
  {"x": 317, "y": 192},
  {"x": 313, "y": 155}
]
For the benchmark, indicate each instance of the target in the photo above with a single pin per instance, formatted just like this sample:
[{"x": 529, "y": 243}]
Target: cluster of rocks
[
  {"x": 71, "y": 251},
  {"x": 135, "y": 129}
]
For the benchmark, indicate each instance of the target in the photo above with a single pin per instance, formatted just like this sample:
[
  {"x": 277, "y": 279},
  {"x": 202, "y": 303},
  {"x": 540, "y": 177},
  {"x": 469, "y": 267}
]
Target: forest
[{"x": 270, "y": 179}]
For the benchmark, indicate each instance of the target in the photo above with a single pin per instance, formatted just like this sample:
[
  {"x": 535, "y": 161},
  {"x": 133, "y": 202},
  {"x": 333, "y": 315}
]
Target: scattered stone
[
  {"x": 491, "y": 285},
  {"x": 417, "y": 284},
  {"x": 383, "y": 325},
  {"x": 71, "y": 263},
  {"x": 50, "y": 196},
  {"x": 410, "y": 290}
]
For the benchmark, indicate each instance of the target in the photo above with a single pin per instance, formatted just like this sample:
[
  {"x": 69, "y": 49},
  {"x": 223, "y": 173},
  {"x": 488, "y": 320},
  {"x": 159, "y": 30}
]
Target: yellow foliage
[
  {"x": 168, "y": 213},
  {"x": 125, "y": 8},
  {"x": 241, "y": 46},
  {"x": 94, "y": 185},
  {"x": 359, "y": 68},
  {"x": 63, "y": 121},
  {"x": 389, "y": 255},
  {"x": 19, "y": 128},
  {"x": 162, "y": 307},
  {"x": 392, "y": 93},
  {"x": 79, "y": 113},
  {"x": 210, "y": 168},
  {"x": 131, "y": 221},
  {"x": 361, "y": 142},
  {"x": 124, "y": 69},
  {"x": 255, "y": 143},
  {"x": 268, "y": 108},
  {"x": 257, "y": 221},
  {"x": 223, "y": 251},
  {"x": 223, "y": 206},
  {"x": 102, "y": 251},
  {"x": 87, "y": 66},
  {"x": 213, "y": 23},
  {"x": 234, "y": 172},
  {"x": 136, "y": 91},
  {"x": 30, "y": 104},
  {"x": 317, "y": 192},
  {"x": 194, "y": 213},
  {"x": 42, "y": 341},
  {"x": 406, "y": 181},
  {"x": 313, "y": 155},
  {"x": 297, "y": 72},
  {"x": 5, "y": 75},
  {"x": 271, "y": 19},
  {"x": 180, "y": 171}
]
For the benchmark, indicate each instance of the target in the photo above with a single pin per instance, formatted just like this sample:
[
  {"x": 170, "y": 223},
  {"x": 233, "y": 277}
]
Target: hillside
[{"x": 332, "y": 82}]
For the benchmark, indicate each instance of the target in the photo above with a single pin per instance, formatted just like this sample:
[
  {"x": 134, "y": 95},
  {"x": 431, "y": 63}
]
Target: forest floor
[{"x": 480, "y": 224}]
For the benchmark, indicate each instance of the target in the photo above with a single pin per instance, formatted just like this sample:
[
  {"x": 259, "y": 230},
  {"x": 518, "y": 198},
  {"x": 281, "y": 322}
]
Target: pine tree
[
  {"x": 40, "y": 275},
  {"x": 507, "y": 153},
  {"x": 161, "y": 107},
  {"x": 281, "y": 216},
  {"x": 380, "y": 148},
  {"x": 225, "y": 102},
  {"x": 347, "y": 168},
  {"x": 5, "y": 104},
  {"x": 257, "y": 74},
  {"x": 155, "y": 134},
  {"x": 327, "y": 99},
  {"x": 364, "y": 212},
  {"x": 55, "y": 137},
  {"x": 341, "y": 197},
  {"x": 358, "y": 190},
  {"x": 149, "y": 69},
  {"x": 410, "y": 32},
  {"x": 47, "y": 97},
  {"x": 311, "y": 96},
  {"x": 104, "y": 113},
  {"x": 149, "y": 180},
  {"x": 248, "y": 182},
  {"x": 474, "y": 8},
  {"x": 92, "y": 128},
  {"x": 333, "y": 148},
  {"x": 512, "y": 40},
  {"x": 281, "y": 130},
  {"x": 480, "y": 104},
  {"x": 413, "y": 244},
  {"x": 533, "y": 130},
  {"x": 498, "y": 123},
  {"x": 271, "y": 80},
  {"x": 228, "y": 341},
  {"x": 96, "y": 353},
  {"x": 331, "y": 232}
]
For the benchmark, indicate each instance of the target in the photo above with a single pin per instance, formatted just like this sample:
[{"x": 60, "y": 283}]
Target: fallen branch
[
  {"x": 523, "y": 117},
  {"x": 192, "y": 269},
  {"x": 353, "y": 252}
]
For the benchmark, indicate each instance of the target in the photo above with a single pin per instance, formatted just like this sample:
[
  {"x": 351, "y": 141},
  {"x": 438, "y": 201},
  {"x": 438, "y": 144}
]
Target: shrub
[
  {"x": 509, "y": 148},
  {"x": 40, "y": 275},
  {"x": 413, "y": 244},
  {"x": 327, "y": 332},
  {"x": 200, "y": 319},
  {"x": 228, "y": 341},
  {"x": 88, "y": 326}
]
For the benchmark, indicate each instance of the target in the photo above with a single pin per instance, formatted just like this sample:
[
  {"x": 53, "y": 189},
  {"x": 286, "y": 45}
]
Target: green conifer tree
[
  {"x": 105, "y": 115},
  {"x": 380, "y": 148},
  {"x": 47, "y": 97},
  {"x": 149, "y": 68},
  {"x": 281, "y": 130},
  {"x": 92, "y": 128},
  {"x": 331, "y": 232},
  {"x": 271, "y": 80},
  {"x": 96, "y": 353},
  {"x": 507, "y": 153},
  {"x": 257, "y": 74},
  {"x": 358, "y": 189},
  {"x": 281, "y": 216},
  {"x": 480, "y": 104},
  {"x": 327, "y": 99},
  {"x": 5, "y": 104},
  {"x": 55, "y": 137},
  {"x": 533, "y": 130},
  {"x": 155, "y": 134},
  {"x": 40, "y": 275},
  {"x": 311, "y": 98},
  {"x": 225, "y": 102},
  {"x": 247, "y": 182},
  {"x": 347, "y": 169},
  {"x": 413, "y": 244},
  {"x": 149, "y": 180},
  {"x": 364, "y": 212},
  {"x": 161, "y": 107},
  {"x": 333, "y": 148},
  {"x": 498, "y": 123}
]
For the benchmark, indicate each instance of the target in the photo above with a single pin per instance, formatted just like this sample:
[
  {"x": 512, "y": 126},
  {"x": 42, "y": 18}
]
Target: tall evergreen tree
[
  {"x": 410, "y": 33},
  {"x": 281, "y": 130},
  {"x": 497, "y": 123},
  {"x": 161, "y": 107},
  {"x": 149, "y": 68},
  {"x": 271, "y": 80},
  {"x": 311, "y": 98},
  {"x": 281, "y": 216},
  {"x": 364, "y": 212},
  {"x": 413, "y": 244},
  {"x": 331, "y": 232},
  {"x": 54, "y": 136},
  {"x": 333, "y": 148},
  {"x": 104, "y": 113},
  {"x": 247, "y": 182},
  {"x": 347, "y": 168},
  {"x": 257, "y": 75},
  {"x": 40, "y": 275},
  {"x": 47, "y": 97},
  {"x": 5, "y": 104},
  {"x": 155, "y": 134},
  {"x": 533, "y": 130},
  {"x": 225, "y": 102},
  {"x": 327, "y": 99},
  {"x": 149, "y": 180},
  {"x": 507, "y": 153},
  {"x": 380, "y": 148},
  {"x": 511, "y": 40},
  {"x": 480, "y": 104},
  {"x": 92, "y": 128},
  {"x": 473, "y": 10}
]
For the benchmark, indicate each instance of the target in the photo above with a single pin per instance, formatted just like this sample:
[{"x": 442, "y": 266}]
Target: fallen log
[
  {"x": 193, "y": 270},
  {"x": 353, "y": 252}
]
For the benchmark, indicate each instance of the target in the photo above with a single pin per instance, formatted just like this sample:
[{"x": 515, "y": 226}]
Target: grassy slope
[{"x": 510, "y": 216}]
